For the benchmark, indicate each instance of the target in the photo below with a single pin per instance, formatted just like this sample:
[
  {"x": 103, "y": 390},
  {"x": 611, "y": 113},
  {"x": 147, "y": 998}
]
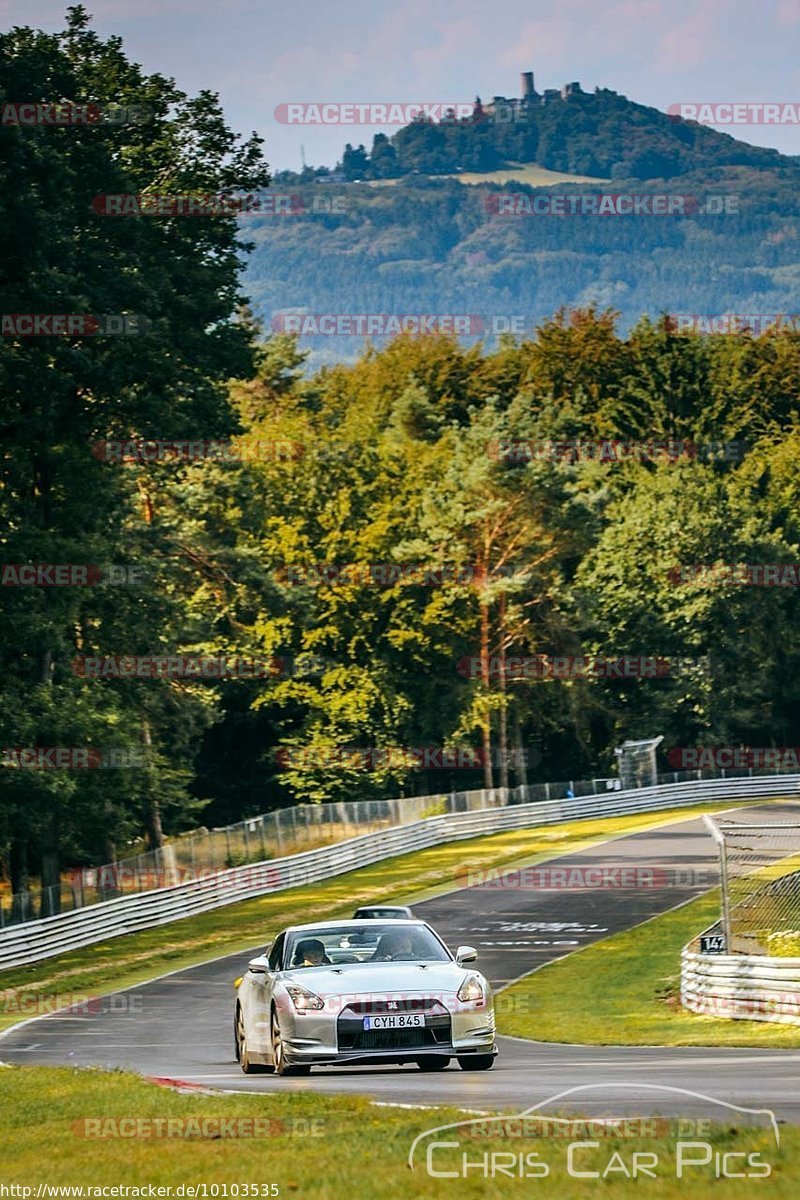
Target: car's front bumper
[
  {"x": 297, "y": 1056},
  {"x": 459, "y": 1031}
]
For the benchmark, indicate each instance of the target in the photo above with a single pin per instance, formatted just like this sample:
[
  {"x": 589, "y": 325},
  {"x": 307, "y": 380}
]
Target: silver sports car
[{"x": 341, "y": 992}]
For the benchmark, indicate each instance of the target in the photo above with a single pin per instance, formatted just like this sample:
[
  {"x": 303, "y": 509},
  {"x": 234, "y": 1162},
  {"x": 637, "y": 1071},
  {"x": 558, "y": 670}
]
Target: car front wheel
[
  {"x": 476, "y": 1062},
  {"x": 432, "y": 1062},
  {"x": 242, "y": 1051},
  {"x": 280, "y": 1065}
]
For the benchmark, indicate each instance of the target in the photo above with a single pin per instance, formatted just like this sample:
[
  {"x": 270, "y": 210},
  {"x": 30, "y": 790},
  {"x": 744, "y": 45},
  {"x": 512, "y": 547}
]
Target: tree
[
  {"x": 355, "y": 163},
  {"x": 383, "y": 158},
  {"x": 637, "y": 601},
  {"x": 64, "y": 394}
]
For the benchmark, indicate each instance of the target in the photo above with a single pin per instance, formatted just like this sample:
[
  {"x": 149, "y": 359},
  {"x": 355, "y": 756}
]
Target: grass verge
[
  {"x": 528, "y": 173},
  {"x": 625, "y": 991},
  {"x": 121, "y": 962},
  {"x": 325, "y": 1147}
]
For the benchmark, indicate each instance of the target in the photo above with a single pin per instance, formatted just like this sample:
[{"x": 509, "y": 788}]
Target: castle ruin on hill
[{"x": 529, "y": 97}]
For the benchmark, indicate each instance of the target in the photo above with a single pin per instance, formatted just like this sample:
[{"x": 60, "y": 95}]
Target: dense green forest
[
  {"x": 437, "y": 246},
  {"x": 394, "y": 459}
]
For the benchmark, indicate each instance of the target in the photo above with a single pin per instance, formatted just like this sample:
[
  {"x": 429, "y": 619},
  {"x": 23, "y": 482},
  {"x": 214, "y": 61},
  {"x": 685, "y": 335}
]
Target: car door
[
  {"x": 274, "y": 964},
  {"x": 261, "y": 980}
]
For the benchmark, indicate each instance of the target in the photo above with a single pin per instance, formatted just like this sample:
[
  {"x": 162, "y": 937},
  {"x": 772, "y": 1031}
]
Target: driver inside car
[
  {"x": 396, "y": 945},
  {"x": 311, "y": 953}
]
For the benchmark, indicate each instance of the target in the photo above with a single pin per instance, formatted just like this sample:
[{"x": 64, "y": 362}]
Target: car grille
[
  {"x": 406, "y": 1004},
  {"x": 352, "y": 1035},
  {"x": 392, "y": 1039}
]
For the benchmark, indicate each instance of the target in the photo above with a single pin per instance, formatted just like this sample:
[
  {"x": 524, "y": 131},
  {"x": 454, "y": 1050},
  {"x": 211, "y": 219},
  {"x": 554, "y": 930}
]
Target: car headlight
[
  {"x": 303, "y": 1000},
  {"x": 471, "y": 989}
]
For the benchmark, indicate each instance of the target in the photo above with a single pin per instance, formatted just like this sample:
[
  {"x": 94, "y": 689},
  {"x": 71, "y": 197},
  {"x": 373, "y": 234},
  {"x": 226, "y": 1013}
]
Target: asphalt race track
[{"x": 180, "y": 1026}]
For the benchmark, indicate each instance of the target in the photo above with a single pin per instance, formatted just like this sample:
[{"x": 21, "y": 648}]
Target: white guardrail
[
  {"x": 752, "y": 987},
  {"x": 45, "y": 938}
]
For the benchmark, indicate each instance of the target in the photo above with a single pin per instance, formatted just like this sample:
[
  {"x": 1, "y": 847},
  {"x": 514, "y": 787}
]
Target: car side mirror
[
  {"x": 466, "y": 954},
  {"x": 258, "y": 966}
]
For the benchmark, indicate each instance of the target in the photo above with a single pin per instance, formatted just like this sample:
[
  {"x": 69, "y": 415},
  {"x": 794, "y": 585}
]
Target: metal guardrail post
[
  {"x": 726, "y": 907},
  {"x": 714, "y": 829}
]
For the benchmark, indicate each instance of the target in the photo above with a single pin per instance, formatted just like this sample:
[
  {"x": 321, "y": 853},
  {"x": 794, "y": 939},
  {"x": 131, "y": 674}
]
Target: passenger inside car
[{"x": 310, "y": 953}]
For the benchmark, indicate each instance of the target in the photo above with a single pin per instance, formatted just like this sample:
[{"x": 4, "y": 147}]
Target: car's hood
[{"x": 408, "y": 978}]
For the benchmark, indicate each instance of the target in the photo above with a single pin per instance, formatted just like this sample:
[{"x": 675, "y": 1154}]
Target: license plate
[{"x": 400, "y": 1021}]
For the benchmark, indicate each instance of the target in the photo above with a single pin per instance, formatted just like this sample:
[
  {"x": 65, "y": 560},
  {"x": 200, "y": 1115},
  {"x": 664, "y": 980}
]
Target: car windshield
[{"x": 356, "y": 943}]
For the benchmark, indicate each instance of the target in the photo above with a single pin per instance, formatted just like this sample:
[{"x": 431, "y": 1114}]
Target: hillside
[
  {"x": 601, "y": 134},
  {"x": 429, "y": 245}
]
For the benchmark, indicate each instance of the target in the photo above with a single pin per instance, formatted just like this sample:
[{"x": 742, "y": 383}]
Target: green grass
[
  {"x": 134, "y": 958},
  {"x": 325, "y": 1147},
  {"x": 625, "y": 991},
  {"x": 764, "y": 919},
  {"x": 528, "y": 173}
]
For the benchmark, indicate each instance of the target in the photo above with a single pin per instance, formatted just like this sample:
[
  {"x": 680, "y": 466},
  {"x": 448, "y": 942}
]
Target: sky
[{"x": 259, "y": 54}]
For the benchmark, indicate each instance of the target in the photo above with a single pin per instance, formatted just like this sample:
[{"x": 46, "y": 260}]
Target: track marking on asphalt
[
  {"x": 637, "y": 1064},
  {"x": 677, "y": 816},
  {"x": 99, "y": 1046},
  {"x": 214, "y": 1075},
  {"x": 526, "y": 945},
  {"x": 599, "y": 941},
  {"x": 68, "y": 1020},
  {"x": 476, "y": 1112},
  {"x": 86, "y": 1034},
  {"x": 778, "y": 1053},
  {"x": 132, "y": 988}
]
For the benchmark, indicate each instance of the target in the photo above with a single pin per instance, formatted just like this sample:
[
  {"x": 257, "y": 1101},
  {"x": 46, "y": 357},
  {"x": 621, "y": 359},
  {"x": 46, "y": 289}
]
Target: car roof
[
  {"x": 385, "y": 907},
  {"x": 367, "y": 924}
]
